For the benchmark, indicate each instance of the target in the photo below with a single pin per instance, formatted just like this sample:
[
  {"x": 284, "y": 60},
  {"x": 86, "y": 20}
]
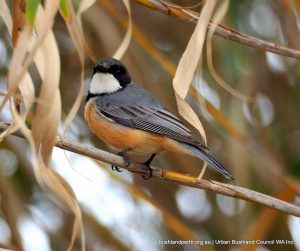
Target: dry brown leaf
[
  {"x": 20, "y": 57},
  {"x": 76, "y": 32},
  {"x": 26, "y": 49},
  {"x": 46, "y": 119},
  {"x": 6, "y": 16},
  {"x": 26, "y": 85},
  {"x": 18, "y": 15},
  {"x": 186, "y": 69},
  {"x": 51, "y": 8},
  {"x": 47, "y": 178},
  {"x": 189, "y": 60},
  {"x": 63, "y": 190},
  {"x": 220, "y": 13},
  {"x": 27, "y": 90},
  {"x": 187, "y": 66},
  {"x": 18, "y": 19},
  {"x": 16, "y": 71},
  {"x": 75, "y": 29},
  {"x": 46, "y": 122},
  {"x": 84, "y": 5},
  {"x": 126, "y": 40}
]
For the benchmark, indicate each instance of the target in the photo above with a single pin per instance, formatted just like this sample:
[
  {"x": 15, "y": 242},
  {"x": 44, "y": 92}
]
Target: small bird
[{"x": 134, "y": 123}]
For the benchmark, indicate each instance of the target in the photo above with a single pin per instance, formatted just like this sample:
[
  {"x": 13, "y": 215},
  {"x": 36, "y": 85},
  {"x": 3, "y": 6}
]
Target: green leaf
[
  {"x": 31, "y": 8},
  {"x": 64, "y": 8}
]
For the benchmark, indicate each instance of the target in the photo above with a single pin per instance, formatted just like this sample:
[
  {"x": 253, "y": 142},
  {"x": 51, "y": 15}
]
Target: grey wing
[{"x": 154, "y": 119}]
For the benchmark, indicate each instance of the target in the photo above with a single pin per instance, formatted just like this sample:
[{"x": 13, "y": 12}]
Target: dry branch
[
  {"x": 179, "y": 178},
  {"x": 221, "y": 30}
]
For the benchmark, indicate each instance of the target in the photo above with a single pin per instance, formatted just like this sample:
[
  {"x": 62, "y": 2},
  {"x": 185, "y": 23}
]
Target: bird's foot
[
  {"x": 147, "y": 164},
  {"x": 149, "y": 174},
  {"x": 115, "y": 168},
  {"x": 121, "y": 154}
]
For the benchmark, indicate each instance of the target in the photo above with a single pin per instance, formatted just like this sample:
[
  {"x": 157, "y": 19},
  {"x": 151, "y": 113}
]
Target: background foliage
[{"x": 121, "y": 211}]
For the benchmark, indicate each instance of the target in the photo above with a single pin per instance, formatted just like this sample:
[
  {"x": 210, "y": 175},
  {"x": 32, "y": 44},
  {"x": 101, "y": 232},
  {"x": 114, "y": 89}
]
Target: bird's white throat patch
[{"x": 104, "y": 83}]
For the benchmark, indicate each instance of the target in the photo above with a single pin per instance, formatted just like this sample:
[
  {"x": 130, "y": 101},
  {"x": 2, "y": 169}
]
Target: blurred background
[{"x": 258, "y": 142}]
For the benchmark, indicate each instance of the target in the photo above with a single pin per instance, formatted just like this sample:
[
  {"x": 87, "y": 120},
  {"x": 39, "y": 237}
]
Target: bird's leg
[
  {"x": 121, "y": 154},
  {"x": 147, "y": 164}
]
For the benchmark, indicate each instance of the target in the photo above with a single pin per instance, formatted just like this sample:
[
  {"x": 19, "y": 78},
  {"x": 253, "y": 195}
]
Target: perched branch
[
  {"x": 221, "y": 30},
  {"x": 179, "y": 178}
]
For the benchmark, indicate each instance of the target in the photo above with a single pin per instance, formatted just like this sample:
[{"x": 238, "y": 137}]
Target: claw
[
  {"x": 121, "y": 154},
  {"x": 149, "y": 175},
  {"x": 147, "y": 164},
  {"x": 115, "y": 168}
]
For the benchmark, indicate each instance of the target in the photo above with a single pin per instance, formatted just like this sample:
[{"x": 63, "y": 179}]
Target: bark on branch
[
  {"x": 221, "y": 30},
  {"x": 179, "y": 178}
]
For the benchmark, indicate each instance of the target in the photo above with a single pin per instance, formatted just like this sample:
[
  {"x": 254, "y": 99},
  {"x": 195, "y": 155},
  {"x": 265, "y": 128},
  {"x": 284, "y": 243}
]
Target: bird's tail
[{"x": 215, "y": 165}]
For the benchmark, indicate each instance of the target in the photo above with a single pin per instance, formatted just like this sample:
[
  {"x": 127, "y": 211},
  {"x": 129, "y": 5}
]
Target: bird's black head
[{"x": 114, "y": 67}]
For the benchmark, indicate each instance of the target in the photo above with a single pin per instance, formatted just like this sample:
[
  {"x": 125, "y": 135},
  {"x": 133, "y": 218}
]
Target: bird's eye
[{"x": 117, "y": 69}]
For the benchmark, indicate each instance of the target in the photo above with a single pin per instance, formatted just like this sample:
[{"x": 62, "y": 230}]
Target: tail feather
[{"x": 198, "y": 152}]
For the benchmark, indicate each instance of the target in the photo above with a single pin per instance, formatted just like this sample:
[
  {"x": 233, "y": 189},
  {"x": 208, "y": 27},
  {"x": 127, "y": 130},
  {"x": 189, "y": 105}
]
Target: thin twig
[
  {"x": 221, "y": 30},
  {"x": 179, "y": 178}
]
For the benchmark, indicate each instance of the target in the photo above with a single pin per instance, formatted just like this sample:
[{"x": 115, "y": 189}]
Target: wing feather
[{"x": 156, "y": 120}]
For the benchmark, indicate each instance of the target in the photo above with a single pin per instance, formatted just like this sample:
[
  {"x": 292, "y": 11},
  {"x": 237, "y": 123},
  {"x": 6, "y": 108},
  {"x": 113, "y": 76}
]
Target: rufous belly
[{"x": 121, "y": 137}]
